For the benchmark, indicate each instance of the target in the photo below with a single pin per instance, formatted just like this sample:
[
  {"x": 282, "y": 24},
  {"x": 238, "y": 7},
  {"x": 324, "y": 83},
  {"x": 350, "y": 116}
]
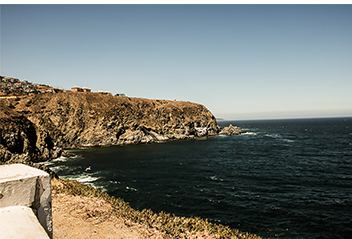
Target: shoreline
[
  {"x": 102, "y": 208},
  {"x": 68, "y": 154},
  {"x": 38, "y": 128}
]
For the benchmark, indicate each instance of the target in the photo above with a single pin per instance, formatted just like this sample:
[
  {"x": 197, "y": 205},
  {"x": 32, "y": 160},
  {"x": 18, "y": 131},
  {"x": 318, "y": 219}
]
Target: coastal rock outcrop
[
  {"x": 22, "y": 142},
  {"x": 232, "y": 130},
  {"x": 38, "y": 127}
]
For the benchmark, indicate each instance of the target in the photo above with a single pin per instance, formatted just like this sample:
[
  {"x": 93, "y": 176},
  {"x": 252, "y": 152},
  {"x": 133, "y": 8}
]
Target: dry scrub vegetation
[{"x": 104, "y": 216}]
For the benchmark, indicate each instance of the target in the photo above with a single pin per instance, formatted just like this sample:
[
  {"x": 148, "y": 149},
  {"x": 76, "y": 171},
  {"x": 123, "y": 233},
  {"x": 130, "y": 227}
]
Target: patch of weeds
[{"x": 169, "y": 224}]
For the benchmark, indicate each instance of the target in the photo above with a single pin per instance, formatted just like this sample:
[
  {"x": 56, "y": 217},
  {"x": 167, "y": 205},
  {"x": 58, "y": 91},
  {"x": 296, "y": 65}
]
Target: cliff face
[{"x": 38, "y": 126}]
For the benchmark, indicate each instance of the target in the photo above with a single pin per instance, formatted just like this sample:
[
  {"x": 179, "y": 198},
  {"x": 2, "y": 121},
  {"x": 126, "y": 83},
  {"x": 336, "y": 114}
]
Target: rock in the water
[{"x": 231, "y": 130}]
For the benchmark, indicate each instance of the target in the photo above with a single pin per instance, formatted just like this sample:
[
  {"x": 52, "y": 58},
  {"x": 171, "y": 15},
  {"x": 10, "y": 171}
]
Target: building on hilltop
[
  {"x": 85, "y": 89},
  {"x": 104, "y": 92},
  {"x": 78, "y": 89}
]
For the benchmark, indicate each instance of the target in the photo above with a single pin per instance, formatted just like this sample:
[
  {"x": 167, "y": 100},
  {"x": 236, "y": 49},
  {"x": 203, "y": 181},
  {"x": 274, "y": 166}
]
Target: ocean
[{"x": 283, "y": 179}]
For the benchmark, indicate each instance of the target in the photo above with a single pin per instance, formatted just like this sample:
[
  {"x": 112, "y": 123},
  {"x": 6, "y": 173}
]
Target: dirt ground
[
  {"x": 88, "y": 217},
  {"x": 78, "y": 217}
]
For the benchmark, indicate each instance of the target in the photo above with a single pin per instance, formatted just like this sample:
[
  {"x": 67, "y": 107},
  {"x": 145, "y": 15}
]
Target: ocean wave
[
  {"x": 249, "y": 133},
  {"x": 61, "y": 159},
  {"x": 53, "y": 161},
  {"x": 82, "y": 178},
  {"x": 58, "y": 168},
  {"x": 115, "y": 182},
  {"x": 88, "y": 179},
  {"x": 215, "y": 178},
  {"x": 279, "y": 137},
  {"x": 100, "y": 187},
  {"x": 274, "y": 136},
  {"x": 132, "y": 189}
]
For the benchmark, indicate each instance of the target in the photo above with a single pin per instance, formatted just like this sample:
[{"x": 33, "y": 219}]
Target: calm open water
[{"x": 283, "y": 179}]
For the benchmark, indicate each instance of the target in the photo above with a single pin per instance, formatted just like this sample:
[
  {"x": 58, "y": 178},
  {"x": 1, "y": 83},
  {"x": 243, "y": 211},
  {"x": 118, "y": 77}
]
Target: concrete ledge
[
  {"x": 19, "y": 222},
  {"x": 21, "y": 185}
]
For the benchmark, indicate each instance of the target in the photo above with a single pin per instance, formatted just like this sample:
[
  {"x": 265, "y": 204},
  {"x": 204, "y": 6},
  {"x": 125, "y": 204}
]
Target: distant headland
[{"x": 38, "y": 122}]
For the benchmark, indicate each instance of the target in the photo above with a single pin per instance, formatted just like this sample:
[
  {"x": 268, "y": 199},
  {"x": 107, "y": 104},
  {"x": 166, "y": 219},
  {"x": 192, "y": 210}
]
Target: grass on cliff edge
[{"x": 171, "y": 225}]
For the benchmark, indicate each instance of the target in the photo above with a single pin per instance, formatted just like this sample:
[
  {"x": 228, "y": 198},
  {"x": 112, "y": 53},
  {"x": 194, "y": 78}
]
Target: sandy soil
[
  {"x": 77, "y": 217},
  {"x": 88, "y": 217}
]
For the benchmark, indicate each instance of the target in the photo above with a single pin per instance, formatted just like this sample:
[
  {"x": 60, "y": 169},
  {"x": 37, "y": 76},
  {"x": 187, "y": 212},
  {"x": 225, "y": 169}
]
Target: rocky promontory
[
  {"x": 232, "y": 130},
  {"x": 38, "y": 127}
]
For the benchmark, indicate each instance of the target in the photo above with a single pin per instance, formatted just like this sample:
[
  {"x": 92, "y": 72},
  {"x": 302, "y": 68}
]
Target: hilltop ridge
[
  {"x": 10, "y": 87},
  {"x": 37, "y": 127}
]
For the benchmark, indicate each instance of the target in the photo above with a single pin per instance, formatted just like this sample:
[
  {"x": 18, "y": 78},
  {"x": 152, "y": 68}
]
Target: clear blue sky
[{"x": 240, "y": 61}]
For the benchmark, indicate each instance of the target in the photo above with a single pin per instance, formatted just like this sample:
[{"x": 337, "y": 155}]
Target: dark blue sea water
[{"x": 283, "y": 179}]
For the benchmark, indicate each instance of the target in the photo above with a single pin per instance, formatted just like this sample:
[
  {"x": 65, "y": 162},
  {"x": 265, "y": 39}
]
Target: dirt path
[
  {"x": 88, "y": 217},
  {"x": 77, "y": 217}
]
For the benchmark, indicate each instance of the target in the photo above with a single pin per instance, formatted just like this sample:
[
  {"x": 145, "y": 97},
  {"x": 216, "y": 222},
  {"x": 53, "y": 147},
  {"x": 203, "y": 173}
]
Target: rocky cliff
[{"x": 37, "y": 127}]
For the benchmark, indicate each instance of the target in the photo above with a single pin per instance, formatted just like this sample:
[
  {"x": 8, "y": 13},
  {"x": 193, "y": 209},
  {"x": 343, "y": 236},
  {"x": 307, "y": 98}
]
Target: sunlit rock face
[
  {"x": 38, "y": 127},
  {"x": 231, "y": 130},
  {"x": 25, "y": 202}
]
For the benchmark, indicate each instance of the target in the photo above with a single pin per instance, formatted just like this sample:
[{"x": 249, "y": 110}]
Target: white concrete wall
[
  {"x": 21, "y": 185},
  {"x": 19, "y": 222}
]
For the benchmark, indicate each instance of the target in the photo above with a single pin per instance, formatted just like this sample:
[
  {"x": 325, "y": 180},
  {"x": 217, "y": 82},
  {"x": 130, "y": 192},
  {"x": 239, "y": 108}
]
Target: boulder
[{"x": 231, "y": 130}]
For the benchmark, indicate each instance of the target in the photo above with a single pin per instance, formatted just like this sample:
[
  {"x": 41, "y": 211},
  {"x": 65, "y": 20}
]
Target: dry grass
[{"x": 162, "y": 224}]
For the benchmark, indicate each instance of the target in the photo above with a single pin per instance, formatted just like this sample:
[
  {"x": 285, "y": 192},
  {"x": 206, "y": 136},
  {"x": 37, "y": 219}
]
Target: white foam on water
[
  {"x": 115, "y": 182},
  {"x": 51, "y": 162},
  {"x": 288, "y": 140},
  {"x": 274, "y": 136},
  {"x": 249, "y": 133},
  {"x": 61, "y": 159},
  {"x": 132, "y": 189},
  {"x": 59, "y": 167},
  {"x": 279, "y": 137},
  {"x": 83, "y": 178},
  {"x": 86, "y": 179},
  {"x": 215, "y": 178},
  {"x": 102, "y": 188}
]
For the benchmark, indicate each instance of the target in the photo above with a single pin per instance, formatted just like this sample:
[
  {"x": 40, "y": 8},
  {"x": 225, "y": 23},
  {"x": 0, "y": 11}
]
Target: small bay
[{"x": 283, "y": 179}]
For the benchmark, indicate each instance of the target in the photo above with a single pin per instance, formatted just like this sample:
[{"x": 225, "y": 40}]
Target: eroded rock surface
[
  {"x": 36, "y": 128},
  {"x": 231, "y": 130}
]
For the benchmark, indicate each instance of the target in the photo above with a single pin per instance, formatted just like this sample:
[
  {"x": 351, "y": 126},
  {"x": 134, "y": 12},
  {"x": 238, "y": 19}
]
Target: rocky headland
[
  {"x": 38, "y": 127},
  {"x": 231, "y": 130}
]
